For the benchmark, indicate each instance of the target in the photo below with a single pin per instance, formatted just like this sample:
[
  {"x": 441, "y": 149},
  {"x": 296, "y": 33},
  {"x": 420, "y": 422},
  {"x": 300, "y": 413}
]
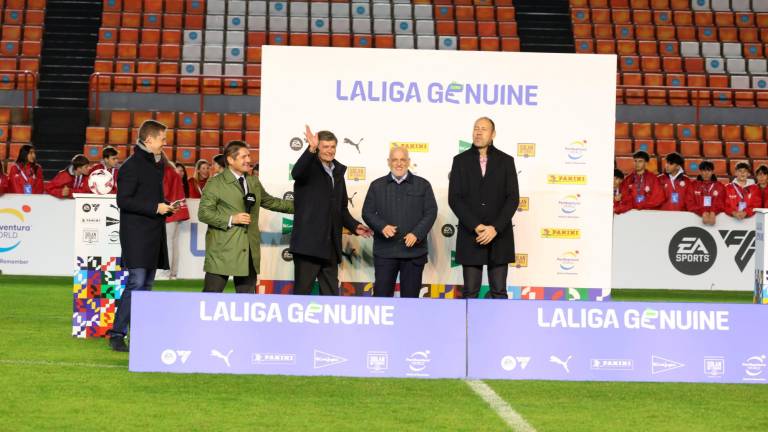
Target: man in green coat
[{"x": 232, "y": 241}]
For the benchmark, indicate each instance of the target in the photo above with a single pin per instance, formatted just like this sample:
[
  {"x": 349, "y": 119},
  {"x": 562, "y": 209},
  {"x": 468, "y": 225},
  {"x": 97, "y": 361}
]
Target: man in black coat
[
  {"x": 320, "y": 202},
  {"x": 484, "y": 195},
  {"x": 142, "y": 222}
]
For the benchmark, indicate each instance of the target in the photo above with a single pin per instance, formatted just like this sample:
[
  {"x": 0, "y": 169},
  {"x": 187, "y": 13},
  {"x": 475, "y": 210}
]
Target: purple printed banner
[
  {"x": 597, "y": 341},
  {"x": 297, "y": 335}
]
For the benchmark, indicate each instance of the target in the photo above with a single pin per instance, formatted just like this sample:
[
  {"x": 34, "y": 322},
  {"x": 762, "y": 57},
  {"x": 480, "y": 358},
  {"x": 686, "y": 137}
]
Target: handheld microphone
[{"x": 250, "y": 200}]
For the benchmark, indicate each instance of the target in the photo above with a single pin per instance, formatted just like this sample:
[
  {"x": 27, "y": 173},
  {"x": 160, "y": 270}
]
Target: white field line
[{"x": 500, "y": 406}]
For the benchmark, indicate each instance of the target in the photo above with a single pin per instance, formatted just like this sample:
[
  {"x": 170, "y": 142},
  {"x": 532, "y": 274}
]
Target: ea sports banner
[
  {"x": 674, "y": 250},
  {"x": 553, "y": 112},
  {"x": 617, "y": 341},
  {"x": 297, "y": 335}
]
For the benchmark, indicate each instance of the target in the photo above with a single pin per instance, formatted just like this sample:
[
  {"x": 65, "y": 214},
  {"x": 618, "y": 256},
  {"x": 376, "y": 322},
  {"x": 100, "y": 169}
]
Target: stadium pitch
[{"x": 50, "y": 381}]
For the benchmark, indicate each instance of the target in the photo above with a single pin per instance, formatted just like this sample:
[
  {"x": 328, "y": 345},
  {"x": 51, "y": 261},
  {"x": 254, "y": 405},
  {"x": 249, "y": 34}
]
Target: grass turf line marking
[
  {"x": 500, "y": 406},
  {"x": 52, "y": 363}
]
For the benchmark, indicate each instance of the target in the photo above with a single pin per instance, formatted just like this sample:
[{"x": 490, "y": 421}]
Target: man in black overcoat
[
  {"x": 320, "y": 202},
  {"x": 484, "y": 195},
  {"x": 142, "y": 222}
]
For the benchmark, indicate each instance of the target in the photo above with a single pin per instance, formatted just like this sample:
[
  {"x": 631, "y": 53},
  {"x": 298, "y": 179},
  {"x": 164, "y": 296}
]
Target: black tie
[{"x": 242, "y": 183}]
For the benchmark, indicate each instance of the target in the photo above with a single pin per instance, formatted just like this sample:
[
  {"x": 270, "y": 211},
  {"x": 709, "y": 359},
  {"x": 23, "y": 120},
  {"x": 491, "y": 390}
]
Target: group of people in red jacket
[{"x": 675, "y": 191}]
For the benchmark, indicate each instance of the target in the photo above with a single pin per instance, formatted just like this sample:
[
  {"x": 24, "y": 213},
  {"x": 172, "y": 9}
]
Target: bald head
[{"x": 399, "y": 161}]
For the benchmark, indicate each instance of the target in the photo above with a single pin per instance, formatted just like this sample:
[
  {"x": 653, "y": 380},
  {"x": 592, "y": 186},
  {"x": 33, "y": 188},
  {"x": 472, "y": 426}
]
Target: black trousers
[
  {"x": 307, "y": 269},
  {"x": 386, "y": 270},
  {"x": 243, "y": 284},
  {"x": 497, "y": 278}
]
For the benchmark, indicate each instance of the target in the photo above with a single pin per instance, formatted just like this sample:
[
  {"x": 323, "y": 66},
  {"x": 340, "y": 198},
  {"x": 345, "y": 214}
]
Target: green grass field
[{"x": 50, "y": 381}]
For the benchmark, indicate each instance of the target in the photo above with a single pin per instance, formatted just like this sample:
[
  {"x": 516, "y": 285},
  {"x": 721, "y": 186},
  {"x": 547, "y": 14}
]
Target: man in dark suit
[
  {"x": 401, "y": 209},
  {"x": 142, "y": 222},
  {"x": 484, "y": 195},
  {"x": 320, "y": 196}
]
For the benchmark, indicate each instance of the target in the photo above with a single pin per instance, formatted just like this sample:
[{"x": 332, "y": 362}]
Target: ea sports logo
[
  {"x": 296, "y": 144},
  {"x": 692, "y": 251},
  {"x": 448, "y": 230}
]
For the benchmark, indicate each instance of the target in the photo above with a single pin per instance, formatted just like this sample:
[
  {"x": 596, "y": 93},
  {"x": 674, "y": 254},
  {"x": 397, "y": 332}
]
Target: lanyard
[
  {"x": 78, "y": 181},
  {"x": 23, "y": 174},
  {"x": 673, "y": 180},
  {"x": 739, "y": 191}
]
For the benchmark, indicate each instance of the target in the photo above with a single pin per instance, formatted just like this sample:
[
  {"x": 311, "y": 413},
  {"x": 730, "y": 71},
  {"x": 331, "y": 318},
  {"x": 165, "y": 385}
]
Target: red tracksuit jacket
[
  {"x": 195, "y": 188},
  {"x": 27, "y": 175},
  {"x": 3, "y": 183},
  {"x": 112, "y": 171},
  {"x": 706, "y": 196},
  {"x": 746, "y": 197},
  {"x": 640, "y": 192},
  {"x": 173, "y": 190},
  {"x": 674, "y": 191},
  {"x": 76, "y": 184}
]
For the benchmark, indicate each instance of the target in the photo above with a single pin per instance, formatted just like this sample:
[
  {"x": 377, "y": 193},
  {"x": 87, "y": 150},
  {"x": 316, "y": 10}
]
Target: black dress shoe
[{"x": 117, "y": 343}]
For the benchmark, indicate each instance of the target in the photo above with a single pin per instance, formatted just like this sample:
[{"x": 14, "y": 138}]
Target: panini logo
[
  {"x": 567, "y": 179},
  {"x": 526, "y": 150},
  {"x": 356, "y": 173},
  {"x": 561, "y": 233},
  {"x": 612, "y": 364},
  {"x": 521, "y": 260},
  {"x": 524, "y": 204},
  {"x": 413, "y": 147}
]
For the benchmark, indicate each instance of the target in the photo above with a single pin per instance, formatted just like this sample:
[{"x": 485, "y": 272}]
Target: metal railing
[
  {"x": 202, "y": 85},
  {"x": 29, "y": 85},
  {"x": 697, "y": 97}
]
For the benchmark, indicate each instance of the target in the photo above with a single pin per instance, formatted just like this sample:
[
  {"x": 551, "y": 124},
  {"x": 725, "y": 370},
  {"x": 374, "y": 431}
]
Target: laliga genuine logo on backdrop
[
  {"x": 437, "y": 93},
  {"x": 12, "y": 226},
  {"x": 568, "y": 262},
  {"x": 526, "y": 150},
  {"x": 575, "y": 151}
]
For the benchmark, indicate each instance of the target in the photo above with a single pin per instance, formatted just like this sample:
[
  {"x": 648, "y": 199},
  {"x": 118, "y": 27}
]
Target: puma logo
[
  {"x": 352, "y": 203},
  {"x": 216, "y": 353},
  {"x": 354, "y": 144},
  {"x": 564, "y": 364}
]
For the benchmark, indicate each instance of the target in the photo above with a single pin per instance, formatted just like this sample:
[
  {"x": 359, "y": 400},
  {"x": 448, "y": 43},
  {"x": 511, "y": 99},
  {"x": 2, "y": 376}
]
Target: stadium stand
[{"x": 680, "y": 43}]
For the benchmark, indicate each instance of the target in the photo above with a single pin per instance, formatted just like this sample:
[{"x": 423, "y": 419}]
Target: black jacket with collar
[
  {"x": 142, "y": 230},
  {"x": 320, "y": 208},
  {"x": 489, "y": 200}
]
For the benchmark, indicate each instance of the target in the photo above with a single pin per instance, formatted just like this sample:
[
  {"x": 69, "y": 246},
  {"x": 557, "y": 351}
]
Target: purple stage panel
[
  {"x": 598, "y": 341},
  {"x": 297, "y": 335}
]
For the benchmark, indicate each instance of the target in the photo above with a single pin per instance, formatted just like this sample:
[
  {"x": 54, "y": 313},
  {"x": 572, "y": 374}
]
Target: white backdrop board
[
  {"x": 553, "y": 112},
  {"x": 674, "y": 250},
  {"x": 36, "y": 235}
]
